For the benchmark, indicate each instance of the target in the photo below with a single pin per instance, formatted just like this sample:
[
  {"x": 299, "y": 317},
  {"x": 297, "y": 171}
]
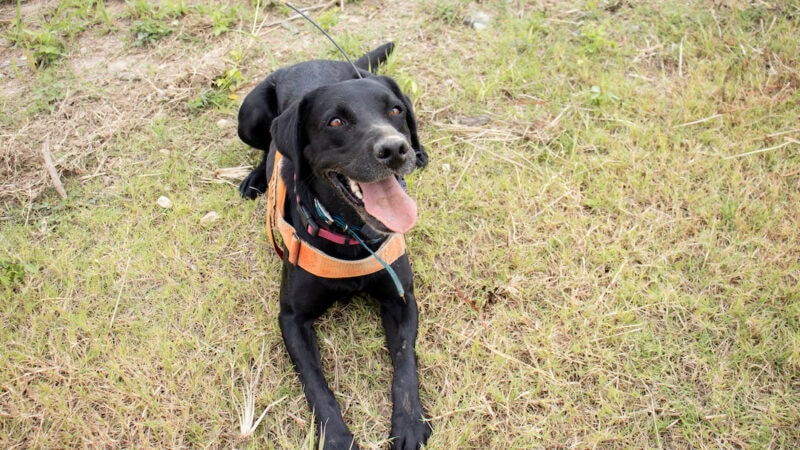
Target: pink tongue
[{"x": 386, "y": 201}]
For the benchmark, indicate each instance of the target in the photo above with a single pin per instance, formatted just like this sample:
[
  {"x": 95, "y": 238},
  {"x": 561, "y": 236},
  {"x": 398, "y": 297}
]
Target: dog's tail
[{"x": 376, "y": 57}]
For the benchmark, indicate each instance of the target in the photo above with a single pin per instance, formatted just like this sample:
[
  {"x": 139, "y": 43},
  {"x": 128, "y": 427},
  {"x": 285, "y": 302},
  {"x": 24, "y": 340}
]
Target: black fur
[{"x": 292, "y": 111}]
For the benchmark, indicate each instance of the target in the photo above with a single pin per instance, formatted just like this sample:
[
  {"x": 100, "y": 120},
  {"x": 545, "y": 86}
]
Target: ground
[{"x": 607, "y": 253}]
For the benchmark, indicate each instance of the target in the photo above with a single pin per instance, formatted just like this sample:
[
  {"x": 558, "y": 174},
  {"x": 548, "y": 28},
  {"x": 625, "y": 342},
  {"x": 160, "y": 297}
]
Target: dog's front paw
[
  {"x": 409, "y": 433},
  {"x": 254, "y": 185}
]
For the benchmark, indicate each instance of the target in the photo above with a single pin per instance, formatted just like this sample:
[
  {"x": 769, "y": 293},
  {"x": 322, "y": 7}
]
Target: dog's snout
[{"x": 392, "y": 151}]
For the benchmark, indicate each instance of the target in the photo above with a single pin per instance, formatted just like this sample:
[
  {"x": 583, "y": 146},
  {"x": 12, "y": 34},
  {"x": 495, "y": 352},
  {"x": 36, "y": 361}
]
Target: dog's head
[{"x": 351, "y": 143}]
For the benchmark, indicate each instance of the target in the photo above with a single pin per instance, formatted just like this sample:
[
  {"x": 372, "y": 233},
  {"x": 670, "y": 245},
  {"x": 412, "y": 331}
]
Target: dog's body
[{"x": 347, "y": 143}]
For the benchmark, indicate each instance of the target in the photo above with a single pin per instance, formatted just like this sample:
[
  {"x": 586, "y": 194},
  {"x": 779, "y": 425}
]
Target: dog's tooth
[{"x": 355, "y": 188}]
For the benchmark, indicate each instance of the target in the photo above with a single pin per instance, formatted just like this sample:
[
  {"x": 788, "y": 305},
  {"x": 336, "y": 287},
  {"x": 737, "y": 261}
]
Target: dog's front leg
[
  {"x": 399, "y": 316},
  {"x": 299, "y": 308}
]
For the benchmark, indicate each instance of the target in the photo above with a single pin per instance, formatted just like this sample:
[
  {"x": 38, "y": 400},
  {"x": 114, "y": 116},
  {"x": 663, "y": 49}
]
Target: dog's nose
[{"x": 392, "y": 151}]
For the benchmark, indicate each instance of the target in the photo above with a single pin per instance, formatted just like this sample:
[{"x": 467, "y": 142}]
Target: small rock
[
  {"x": 211, "y": 217},
  {"x": 478, "y": 21},
  {"x": 225, "y": 123},
  {"x": 128, "y": 76},
  {"x": 289, "y": 27},
  {"x": 117, "y": 66},
  {"x": 475, "y": 121},
  {"x": 164, "y": 202},
  {"x": 446, "y": 168}
]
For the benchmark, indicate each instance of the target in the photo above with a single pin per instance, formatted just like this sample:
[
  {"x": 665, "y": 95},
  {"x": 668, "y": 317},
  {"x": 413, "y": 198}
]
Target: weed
[
  {"x": 236, "y": 55},
  {"x": 75, "y": 16},
  {"x": 154, "y": 21},
  {"x": 327, "y": 19},
  {"x": 222, "y": 17},
  {"x": 13, "y": 274},
  {"x": 209, "y": 98},
  {"x": 45, "y": 46},
  {"x": 42, "y": 46},
  {"x": 49, "y": 89},
  {"x": 229, "y": 81},
  {"x": 448, "y": 12},
  {"x": 599, "y": 96},
  {"x": 221, "y": 94},
  {"x": 47, "y": 42},
  {"x": 148, "y": 31},
  {"x": 352, "y": 44},
  {"x": 595, "y": 40},
  {"x": 175, "y": 8},
  {"x": 222, "y": 20},
  {"x": 141, "y": 9}
]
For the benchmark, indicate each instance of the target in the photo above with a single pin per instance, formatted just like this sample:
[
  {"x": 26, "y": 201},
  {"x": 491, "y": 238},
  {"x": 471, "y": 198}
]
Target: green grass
[{"x": 611, "y": 260}]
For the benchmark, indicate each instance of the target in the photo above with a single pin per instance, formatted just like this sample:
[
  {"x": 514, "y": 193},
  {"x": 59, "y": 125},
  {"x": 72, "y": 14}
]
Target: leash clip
[{"x": 323, "y": 213}]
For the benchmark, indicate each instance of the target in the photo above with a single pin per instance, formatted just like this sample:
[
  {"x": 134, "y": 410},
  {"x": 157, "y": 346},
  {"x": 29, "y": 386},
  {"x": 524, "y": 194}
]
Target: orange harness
[{"x": 311, "y": 259}]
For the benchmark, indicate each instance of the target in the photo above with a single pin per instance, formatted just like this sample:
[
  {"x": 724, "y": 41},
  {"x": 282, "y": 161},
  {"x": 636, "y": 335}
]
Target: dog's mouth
[{"x": 385, "y": 200}]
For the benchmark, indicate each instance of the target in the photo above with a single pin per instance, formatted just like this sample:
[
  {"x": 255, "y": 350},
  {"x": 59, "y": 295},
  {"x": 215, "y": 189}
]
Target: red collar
[
  {"x": 314, "y": 229},
  {"x": 334, "y": 237}
]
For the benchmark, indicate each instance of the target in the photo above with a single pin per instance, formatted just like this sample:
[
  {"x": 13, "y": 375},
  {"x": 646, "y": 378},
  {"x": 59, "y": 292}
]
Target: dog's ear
[
  {"x": 258, "y": 110},
  {"x": 288, "y": 132},
  {"x": 411, "y": 121}
]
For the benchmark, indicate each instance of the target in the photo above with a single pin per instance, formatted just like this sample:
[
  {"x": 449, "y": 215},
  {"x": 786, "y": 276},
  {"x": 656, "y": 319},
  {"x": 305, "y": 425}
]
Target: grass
[{"x": 607, "y": 253}]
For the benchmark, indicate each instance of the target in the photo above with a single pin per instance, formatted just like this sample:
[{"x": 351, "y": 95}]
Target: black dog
[{"x": 345, "y": 142}]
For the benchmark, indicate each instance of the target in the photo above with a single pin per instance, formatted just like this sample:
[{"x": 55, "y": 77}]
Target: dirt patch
[{"x": 107, "y": 87}]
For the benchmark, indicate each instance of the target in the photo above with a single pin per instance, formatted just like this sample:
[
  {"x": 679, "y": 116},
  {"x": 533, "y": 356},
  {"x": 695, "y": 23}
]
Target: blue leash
[{"x": 353, "y": 232}]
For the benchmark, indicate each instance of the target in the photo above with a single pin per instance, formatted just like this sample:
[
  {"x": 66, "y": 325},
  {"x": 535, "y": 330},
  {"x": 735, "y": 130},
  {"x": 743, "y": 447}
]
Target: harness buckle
[{"x": 308, "y": 221}]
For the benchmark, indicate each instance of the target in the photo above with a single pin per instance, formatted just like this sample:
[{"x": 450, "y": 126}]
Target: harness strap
[
  {"x": 311, "y": 259},
  {"x": 276, "y": 190}
]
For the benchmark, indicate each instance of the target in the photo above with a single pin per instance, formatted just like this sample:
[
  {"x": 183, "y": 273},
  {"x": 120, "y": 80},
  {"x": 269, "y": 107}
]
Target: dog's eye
[
  {"x": 336, "y": 122},
  {"x": 395, "y": 111}
]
